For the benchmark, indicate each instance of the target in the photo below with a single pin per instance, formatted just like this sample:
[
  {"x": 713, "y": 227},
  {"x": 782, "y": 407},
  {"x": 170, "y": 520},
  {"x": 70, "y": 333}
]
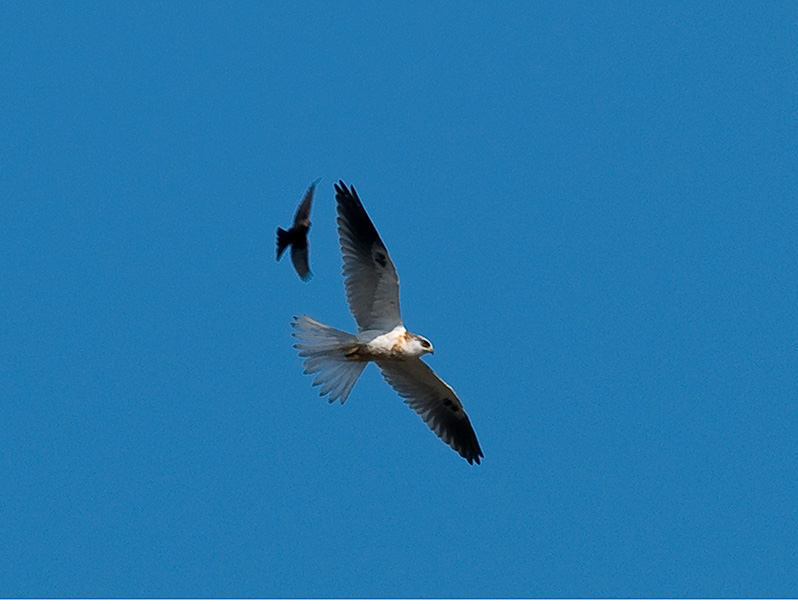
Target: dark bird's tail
[{"x": 283, "y": 240}]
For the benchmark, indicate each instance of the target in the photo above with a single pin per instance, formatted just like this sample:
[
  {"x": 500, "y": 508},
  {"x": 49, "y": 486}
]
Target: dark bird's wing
[
  {"x": 436, "y": 403},
  {"x": 303, "y": 211},
  {"x": 283, "y": 241},
  {"x": 299, "y": 256},
  {"x": 372, "y": 286}
]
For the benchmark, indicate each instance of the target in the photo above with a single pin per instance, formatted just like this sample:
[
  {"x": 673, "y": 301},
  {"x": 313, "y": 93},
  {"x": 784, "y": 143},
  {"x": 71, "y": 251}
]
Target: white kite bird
[{"x": 372, "y": 290}]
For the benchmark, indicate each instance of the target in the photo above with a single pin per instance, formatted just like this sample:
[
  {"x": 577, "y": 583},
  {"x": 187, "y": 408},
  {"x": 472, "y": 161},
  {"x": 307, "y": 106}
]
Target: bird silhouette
[{"x": 297, "y": 236}]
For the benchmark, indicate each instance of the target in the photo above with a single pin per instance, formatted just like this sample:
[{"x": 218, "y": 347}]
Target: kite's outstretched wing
[
  {"x": 372, "y": 286},
  {"x": 436, "y": 403}
]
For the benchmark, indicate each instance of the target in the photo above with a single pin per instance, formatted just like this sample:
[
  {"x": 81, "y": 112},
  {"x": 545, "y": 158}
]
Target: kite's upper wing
[
  {"x": 372, "y": 286},
  {"x": 436, "y": 403},
  {"x": 303, "y": 211}
]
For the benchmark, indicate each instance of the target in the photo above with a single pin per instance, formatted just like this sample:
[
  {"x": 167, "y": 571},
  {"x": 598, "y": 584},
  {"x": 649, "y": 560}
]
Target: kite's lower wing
[{"x": 436, "y": 403}]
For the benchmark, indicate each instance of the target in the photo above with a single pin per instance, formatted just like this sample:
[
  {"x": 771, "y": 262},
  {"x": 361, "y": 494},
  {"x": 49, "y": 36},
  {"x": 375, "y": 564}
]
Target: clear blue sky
[{"x": 591, "y": 207}]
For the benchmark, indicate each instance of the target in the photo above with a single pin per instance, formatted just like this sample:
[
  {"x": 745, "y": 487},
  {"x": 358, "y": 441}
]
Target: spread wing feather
[
  {"x": 372, "y": 285},
  {"x": 436, "y": 403}
]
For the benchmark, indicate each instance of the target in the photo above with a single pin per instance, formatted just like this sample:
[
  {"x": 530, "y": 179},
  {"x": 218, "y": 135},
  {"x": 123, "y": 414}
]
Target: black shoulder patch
[{"x": 450, "y": 404}]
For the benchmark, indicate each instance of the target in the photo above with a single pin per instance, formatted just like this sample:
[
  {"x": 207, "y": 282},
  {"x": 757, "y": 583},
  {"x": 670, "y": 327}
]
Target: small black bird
[{"x": 297, "y": 236}]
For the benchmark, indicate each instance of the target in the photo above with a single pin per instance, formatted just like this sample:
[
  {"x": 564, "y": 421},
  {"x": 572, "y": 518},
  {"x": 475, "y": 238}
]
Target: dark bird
[{"x": 297, "y": 236}]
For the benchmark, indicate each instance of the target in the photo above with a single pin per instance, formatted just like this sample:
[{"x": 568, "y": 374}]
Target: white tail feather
[{"x": 324, "y": 349}]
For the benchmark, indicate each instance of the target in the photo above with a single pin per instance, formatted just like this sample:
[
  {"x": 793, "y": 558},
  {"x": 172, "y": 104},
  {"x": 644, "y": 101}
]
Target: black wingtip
[
  {"x": 472, "y": 457},
  {"x": 352, "y": 212},
  {"x": 342, "y": 190},
  {"x": 466, "y": 441}
]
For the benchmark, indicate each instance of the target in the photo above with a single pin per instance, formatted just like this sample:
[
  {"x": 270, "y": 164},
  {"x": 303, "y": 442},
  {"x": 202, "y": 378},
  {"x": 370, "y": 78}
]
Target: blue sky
[{"x": 591, "y": 207}]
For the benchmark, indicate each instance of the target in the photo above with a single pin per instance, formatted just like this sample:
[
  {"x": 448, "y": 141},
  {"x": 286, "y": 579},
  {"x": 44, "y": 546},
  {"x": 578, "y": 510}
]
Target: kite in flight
[
  {"x": 297, "y": 236},
  {"x": 372, "y": 291}
]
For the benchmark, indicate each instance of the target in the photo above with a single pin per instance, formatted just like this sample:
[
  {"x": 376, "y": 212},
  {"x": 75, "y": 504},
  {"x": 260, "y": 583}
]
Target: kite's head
[{"x": 420, "y": 346}]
